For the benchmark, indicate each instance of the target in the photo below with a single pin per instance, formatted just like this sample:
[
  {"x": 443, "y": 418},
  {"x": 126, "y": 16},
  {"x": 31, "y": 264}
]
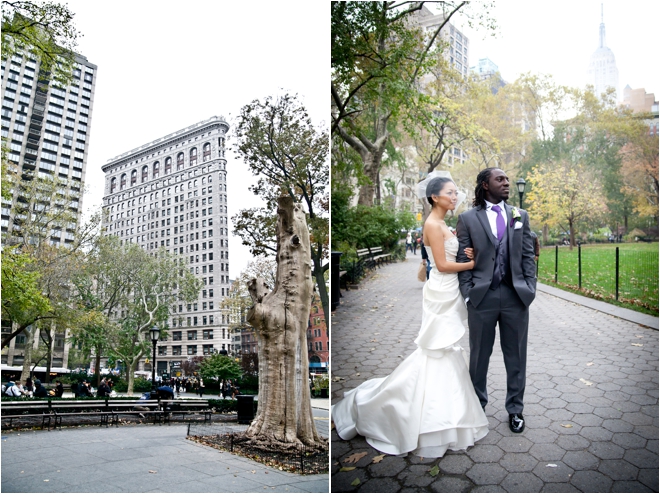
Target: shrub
[
  {"x": 139, "y": 385},
  {"x": 366, "y": 226}
]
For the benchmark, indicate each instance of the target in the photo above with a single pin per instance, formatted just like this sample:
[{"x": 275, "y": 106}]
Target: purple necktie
[{"x": 499, "y": 222}]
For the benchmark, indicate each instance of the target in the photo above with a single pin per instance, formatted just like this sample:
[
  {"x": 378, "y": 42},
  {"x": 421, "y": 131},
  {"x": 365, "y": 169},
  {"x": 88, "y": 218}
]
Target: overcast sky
[
  {"x": 559, "y": 37},
  {"x": 163, "y": 66}
]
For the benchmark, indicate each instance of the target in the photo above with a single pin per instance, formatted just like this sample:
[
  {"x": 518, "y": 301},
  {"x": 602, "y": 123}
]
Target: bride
[{"x": 427, "y": 404}]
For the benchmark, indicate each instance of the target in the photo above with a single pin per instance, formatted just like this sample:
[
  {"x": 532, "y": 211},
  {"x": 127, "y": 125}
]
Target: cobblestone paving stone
[{"x": 591, "y": 400}]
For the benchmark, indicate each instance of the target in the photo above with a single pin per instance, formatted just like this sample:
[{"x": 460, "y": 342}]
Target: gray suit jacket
[{"x": 473, "y": 230}]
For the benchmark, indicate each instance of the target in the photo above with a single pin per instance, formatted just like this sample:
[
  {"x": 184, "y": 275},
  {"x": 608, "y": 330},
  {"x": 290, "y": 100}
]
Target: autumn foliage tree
[
  {"x": 640, "y": 173},
  {"x": 563, "y": 194}
]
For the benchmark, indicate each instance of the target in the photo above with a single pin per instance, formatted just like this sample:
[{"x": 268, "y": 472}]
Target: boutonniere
[{"x": 515, "y": 216}]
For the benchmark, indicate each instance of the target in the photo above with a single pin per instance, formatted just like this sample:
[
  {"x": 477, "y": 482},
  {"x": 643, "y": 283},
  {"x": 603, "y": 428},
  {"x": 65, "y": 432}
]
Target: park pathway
[{"x": 591, "y": 401}]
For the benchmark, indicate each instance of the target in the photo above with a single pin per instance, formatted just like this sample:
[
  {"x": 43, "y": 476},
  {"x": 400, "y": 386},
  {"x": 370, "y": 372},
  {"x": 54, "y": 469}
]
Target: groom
[{"x": 500, "y": 288}]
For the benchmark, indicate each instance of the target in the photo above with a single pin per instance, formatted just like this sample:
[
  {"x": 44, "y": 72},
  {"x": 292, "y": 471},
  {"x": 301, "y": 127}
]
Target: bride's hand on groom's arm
[{"x": 469, "y": 253}]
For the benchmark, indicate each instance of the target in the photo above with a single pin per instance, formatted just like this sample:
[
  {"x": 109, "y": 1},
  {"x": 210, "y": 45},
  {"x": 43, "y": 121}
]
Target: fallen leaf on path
[
  {"x": 153, "y": 471},
  {"x": 637, "y": 344},
  {"x": 567, "y": 426},
  {"x": 355, "y": 482},
  {"x": 346, "y": 469},
  {"x": 377, "y": 459},
  {"x": 355, "y": 457},
  {"x": 588, "y": 383},
  {"x": 372, "y": 349},
  {"x": 639, "y": 336},
  {"x": 589, "y": 364},
  {"x": 46, "y": 480},
  {"x": 434, "y": 471},
  {"x": 376, "y": 333},
  {"x": 551, "y": 465},
  {"x": 253, "y": 471}
]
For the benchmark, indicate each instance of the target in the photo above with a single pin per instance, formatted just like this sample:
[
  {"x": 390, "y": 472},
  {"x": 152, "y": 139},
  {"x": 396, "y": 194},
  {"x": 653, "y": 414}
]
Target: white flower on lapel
[{"x": 515, "y": 217}]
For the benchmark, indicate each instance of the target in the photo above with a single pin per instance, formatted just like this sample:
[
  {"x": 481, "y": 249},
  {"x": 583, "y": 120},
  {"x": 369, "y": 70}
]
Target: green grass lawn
[{"x": 638, "y": 273}]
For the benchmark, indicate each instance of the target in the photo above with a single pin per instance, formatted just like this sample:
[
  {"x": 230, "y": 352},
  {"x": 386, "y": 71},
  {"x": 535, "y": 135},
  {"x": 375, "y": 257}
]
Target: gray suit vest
[{"x": 502, "y": 271}]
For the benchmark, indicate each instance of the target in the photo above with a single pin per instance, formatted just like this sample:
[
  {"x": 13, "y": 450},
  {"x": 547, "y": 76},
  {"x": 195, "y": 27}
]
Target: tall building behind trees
[
  {"x": 171, "y": 194},
  {"x": 46, "y": 128},
  {"x": 602, "y": 72}
]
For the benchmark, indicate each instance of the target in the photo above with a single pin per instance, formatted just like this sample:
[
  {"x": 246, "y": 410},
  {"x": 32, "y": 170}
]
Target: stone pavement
[
  {"x": 141, "y": 458},
  {"x": 591, "y": 401}
]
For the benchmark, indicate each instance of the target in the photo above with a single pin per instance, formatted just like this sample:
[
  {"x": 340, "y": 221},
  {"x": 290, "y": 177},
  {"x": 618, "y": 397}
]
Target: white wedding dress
[{"x": 428, "y": 404}]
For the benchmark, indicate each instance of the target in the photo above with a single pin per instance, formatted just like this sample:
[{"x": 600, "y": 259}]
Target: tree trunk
[
  {"x": 97, "y": 365},
  {"x": 27, "y": 358},
  {"x": 571, "y": 231},
  {"x": 280, "y": 319},
  {"x": 372, "y": 163},
  {"x": 545, "y": 234},
  {"x": 130, "y": 375}
]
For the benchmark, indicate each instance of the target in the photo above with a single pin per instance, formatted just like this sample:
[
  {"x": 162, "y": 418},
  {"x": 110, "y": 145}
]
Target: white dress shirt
[{"x": 492, "y": 216}]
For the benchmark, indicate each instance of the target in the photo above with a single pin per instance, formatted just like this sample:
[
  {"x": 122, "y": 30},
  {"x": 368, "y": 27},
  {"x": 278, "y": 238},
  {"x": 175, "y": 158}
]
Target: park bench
[
  {"x": 27, "y": 409},
  {"x": 186, "y": 407},
  {"x": 81, "y": 408},
  {"x": 356, "y": 271},
  {"x": 378, "y": 257},
  {"x": 136, "y": 407}
]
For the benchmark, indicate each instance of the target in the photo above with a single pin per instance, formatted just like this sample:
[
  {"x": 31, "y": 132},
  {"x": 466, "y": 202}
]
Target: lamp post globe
[
  {"x": 520, "y": 183},
  {"x": 154, "y": 332}
]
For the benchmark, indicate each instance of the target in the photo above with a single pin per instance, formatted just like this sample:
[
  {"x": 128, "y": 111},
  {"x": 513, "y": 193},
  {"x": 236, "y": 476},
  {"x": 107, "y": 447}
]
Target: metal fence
[
  {"x": 625, "y": 275},
  {"x": 226, "y": 436}
]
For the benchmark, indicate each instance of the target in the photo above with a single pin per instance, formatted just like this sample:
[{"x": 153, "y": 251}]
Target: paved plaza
[
  {"x": 591, "y": 401},
  {"x": 138, "y": 458}
]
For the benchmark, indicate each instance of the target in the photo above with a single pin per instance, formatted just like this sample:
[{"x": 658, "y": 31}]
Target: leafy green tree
[
  {"x": 379, "y": 59},
  {"x": 41, "y": 210},
  {"x": 277, "y": 140},
  {"x": 220, "y": 367},
  {"x": 23, "y": 302},
  {"x": 156, "y": 283},
  {"x": 44, "y": 30}
]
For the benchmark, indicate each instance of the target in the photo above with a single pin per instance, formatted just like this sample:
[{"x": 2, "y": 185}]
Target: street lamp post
[
  {"x": 155, "y": 333},
  {"x": 521, "y": 190}
]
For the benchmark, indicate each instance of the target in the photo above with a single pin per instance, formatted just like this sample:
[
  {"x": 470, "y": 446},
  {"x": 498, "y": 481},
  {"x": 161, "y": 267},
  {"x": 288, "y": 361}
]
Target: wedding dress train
[{"x": 427, "y": 404}]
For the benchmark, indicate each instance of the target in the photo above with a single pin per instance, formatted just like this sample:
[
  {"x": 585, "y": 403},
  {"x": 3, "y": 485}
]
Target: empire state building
[{"x": 602, "y": 72}]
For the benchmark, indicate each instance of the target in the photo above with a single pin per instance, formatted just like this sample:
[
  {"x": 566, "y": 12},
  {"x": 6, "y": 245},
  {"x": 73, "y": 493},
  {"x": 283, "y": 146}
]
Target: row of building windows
[
  {"x": 190, "y": 350},
  {"x": 207, "y": 334},
  {"x": 164, "y": 183},
  {"x": 155, "y": 168}
]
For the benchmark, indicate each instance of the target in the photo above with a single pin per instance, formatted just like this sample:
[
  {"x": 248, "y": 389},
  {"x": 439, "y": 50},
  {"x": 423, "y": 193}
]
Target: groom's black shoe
[{"x": 516, "y": 422}]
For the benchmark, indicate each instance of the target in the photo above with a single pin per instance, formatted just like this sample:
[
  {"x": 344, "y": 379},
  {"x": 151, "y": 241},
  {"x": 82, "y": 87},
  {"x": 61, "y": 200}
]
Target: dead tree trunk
[{"x": 280, "y": 319}]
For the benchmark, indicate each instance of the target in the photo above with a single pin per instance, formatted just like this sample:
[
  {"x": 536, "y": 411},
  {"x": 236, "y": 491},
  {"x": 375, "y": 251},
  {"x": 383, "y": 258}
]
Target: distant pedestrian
[
  {"x": 39, "y": 390},
  {"x": 201, "y": 387},
  {"x": 409, "y": 241},
  {"x": 425, "y": 256},
  {"x": 12, "y": 389},
  {"x": 104, "y": 389},
  {"x": 59, "y": 389},
  {"x": 29, "y": 387}
]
